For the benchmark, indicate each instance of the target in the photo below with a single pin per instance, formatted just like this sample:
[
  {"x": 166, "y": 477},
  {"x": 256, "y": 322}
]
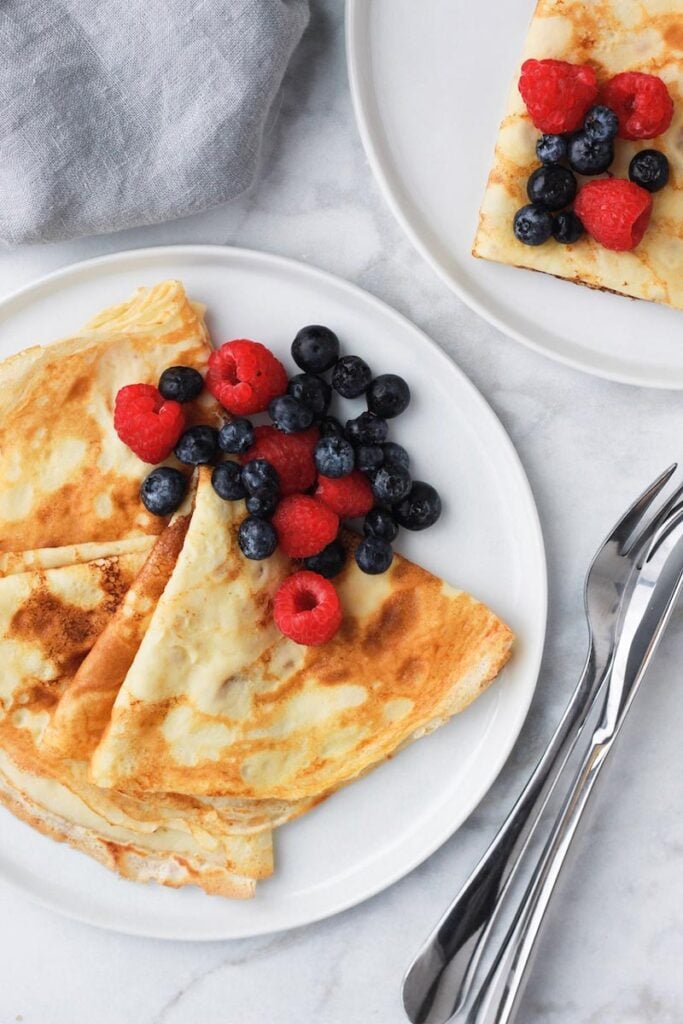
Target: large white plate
[
  {"x": 429, "y": 82},
  {"x": 488, "y": 540}
]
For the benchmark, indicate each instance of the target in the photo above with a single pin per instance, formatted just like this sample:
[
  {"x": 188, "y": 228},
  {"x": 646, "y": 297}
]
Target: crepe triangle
[
  {"x": 218, "y": 703},
  {"x": 84, "y": 709}
]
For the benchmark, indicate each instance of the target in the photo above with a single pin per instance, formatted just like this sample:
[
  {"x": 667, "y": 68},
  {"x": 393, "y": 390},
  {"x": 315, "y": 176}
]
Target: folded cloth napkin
[{"x": 122, "y": 112}]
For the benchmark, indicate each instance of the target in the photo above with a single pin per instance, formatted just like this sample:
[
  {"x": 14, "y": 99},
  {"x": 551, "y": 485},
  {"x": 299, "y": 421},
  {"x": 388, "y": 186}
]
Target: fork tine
[
  {"x": 634, "y": 515},
  {"x": 656, "y": 519}
]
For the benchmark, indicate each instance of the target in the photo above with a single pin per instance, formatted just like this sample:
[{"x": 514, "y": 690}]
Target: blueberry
[
  {"x": 315, "y": 348},
  {"x": 227, "y": 481},
  {"x": 331, "y": 427},
  {"x": 351, "y": 376},
  {"x": 649, "y": 169},
  {"x": 257, "y": 538},
  {"x": 589, "y": 156},
  {"x": 311, "y": 391},
  {"x": 367, "y": 429},
  {"x": 236, "y": 437},
  {"x": 601, "y": 124},
  {"x": 396, "y": 453},
  {"x": 391, "y": 483},
  {"x": 374, "y": 555},
  {"x": 328, "y": 562},
  {"x": 388, "y": 395},
  {"x": 197, "y": 446},
  {"x": 567, "y": 227},
  {"x": 380, "y": 523},
  {"x": 180, "y": 383},
  {"x": 260, "y": 479},
  {"x": 420, "y": 509},
  {"x": 369, "y": 457},
  {"x": 334, "y": 457},
  {"x": 163, "y": 490},
  {"x": 532, "y": 225},
  {"x": 551, "y": 149},
  {"x": 262, "y": 508},
  {"x": 551, "y": 187},
  {"x": 290, "y": 416}
]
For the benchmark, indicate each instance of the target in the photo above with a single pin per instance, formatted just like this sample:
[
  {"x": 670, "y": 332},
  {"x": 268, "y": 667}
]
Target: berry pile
[
  {"x": 579, "y": 138},
  {"x": 300, "y": 475},
  {"x": 305, "y": 472}
]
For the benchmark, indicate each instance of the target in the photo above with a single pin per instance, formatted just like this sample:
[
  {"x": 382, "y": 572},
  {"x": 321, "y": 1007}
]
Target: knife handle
[
  {"x": 497, "y": 999},
  {"x": 440, "y": 976}
]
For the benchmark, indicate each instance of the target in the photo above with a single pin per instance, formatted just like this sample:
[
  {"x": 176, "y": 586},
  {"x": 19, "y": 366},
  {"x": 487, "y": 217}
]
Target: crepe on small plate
[{"x": 613, "y": 36}]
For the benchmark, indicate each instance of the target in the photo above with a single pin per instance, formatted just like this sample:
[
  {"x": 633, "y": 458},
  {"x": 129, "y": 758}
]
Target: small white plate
[
  {"x": 429, "y": 83},
  {"x": 488, "y": 541}
]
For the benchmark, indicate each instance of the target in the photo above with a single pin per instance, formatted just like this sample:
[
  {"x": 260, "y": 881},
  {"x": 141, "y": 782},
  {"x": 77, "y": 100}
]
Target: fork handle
[{"x": 440, "y": 976}]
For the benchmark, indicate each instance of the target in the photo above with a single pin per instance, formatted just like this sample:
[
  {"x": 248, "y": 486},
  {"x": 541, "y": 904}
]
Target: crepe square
[{"x": 613, "y": 36}]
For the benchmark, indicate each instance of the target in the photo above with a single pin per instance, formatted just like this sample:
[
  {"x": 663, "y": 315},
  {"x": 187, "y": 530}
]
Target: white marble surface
[{"x": 612, "y": 950}]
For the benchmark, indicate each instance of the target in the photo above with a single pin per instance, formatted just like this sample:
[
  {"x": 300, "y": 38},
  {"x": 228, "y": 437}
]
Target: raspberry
[
  {"x": 557, "y": 94},
  {"x": 146, "y": 423},
  {"x": 641, "y": 102},
  {"x": 307, "y": 608},
  {"x": 304, "y": 525},
  {"x": 615, "y": 212},
  {"x": 244, "y": 376},
  {"x": 291, "y": 455},
  {"x": 349, "y": 496}
]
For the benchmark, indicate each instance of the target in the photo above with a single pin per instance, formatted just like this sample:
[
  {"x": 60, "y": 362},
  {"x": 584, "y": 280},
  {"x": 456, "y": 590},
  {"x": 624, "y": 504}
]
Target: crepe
[
  {"x": 613, "y": 36},
  {"x": 164, "y": 855},
  {"x": 12, "y": 562},
  {"x": 66, "y": 477},
  {"x": 49, "y": 620},
  {"x": 84, "y": 708},
  {"x": 217, "y": 702}
]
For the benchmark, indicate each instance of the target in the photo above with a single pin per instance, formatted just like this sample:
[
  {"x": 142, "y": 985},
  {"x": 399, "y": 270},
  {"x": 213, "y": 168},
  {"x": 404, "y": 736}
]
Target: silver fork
[
  {"x": 646, "y": 614},
  {"x": 439, "y": 978}
]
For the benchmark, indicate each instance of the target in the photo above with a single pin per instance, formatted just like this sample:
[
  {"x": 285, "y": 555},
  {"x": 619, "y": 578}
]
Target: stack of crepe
[{"x": 151, "y": 714}]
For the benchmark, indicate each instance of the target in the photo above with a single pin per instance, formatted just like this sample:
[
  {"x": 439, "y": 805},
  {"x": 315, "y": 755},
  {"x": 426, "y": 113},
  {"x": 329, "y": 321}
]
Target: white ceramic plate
[
  {"x": 488, "y": 540},
  {"x": 429, "y": 83}
]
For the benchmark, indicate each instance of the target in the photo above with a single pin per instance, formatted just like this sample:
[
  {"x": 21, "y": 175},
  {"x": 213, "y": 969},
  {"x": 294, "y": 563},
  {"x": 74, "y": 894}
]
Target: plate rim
[
  {"x": 357, "y": 16},
  {"x": 534, "y": 653}
]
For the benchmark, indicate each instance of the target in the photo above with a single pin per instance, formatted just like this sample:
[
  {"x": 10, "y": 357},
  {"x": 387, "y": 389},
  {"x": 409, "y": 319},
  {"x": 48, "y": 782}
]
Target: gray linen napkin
[{"x": 122, "y": 112}]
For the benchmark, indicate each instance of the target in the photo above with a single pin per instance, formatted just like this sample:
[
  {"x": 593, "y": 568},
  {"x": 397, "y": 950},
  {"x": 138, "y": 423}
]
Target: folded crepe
[
  {"x": 84, "y": 708},
  {"x": 49, "y": 621},
  {"x": 52, "y": 558},
  {"x": 613, "y": 36},
  {"x": 218, "y": 703},
  {"x": 66, "y": 476}
]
